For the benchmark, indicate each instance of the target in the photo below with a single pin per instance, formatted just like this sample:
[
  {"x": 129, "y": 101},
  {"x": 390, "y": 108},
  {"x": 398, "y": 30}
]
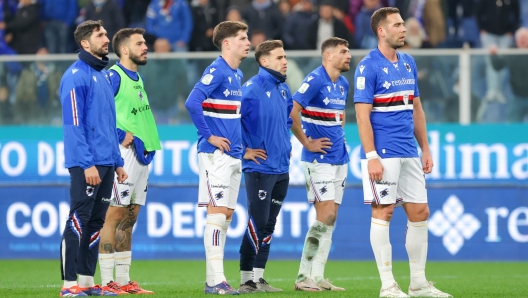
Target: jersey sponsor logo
[
  {"x": 303, "y": 88},
  {"x": 262, "y": 194},
  {"x": 334, "y": 101},
  {"x": 403, "y": 81},
  {"x": 206, "y": 80},
  {"x": 140, "y": 109},
  {"x": 228, "y": 92},
  {"x": 386, "y": 70},
  {"x": 361, "y": 68},
  {"x": 360, "y": 83},
  {"x": 386, "y": 85}
]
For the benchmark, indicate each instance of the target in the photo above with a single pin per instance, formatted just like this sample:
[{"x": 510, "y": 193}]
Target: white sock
[
  {"x": 311, "y": 245},
  {"x": 319, "y": 262},
  {"x": 69, "y": 284},
  {"x": 245, "y": 276},
  {"x": 123, "y": 260},
  {"x": 258, "y": 273},
  {"x": 379, "y": 239},
  {"x": 214, "y": 250},
  {"x": 223, "y": 233},
  {"x": 106, "y": 265},
  {"x": 416, "y": 245},
  {"x": 86, "y": 281}
]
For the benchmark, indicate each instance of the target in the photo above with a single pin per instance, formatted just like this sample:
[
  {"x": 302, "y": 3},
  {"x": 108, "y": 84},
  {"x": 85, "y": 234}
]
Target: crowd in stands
[{"x": 46, "y": 26}]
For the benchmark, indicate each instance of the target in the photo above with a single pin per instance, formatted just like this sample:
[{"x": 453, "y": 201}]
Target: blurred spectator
[
  {"x": 365, "y": 38},
  {"x": 434, "y": 21},
  {"x": 339, "y": 14},
  {"x": 327, "y": 26},
  {"x": 285, "y": 8},
  {"x": 58, "y": 17},
  {"x": 37, "y": 91},
  {"x": 265, "y": 16},
  {"x": 356, "y": 5},
  {"x": 497, "y": 20},
  {"x": 107, "y": 11},
  {"x": 416, "y": 37},
  {"x": 517, "y": 64},
  {"x": 205, "y": 18},
  {"x": 172, "y": 20},
  {"x": 134, "y": 12},
  {"x": 295, "y": 35},
  {"x": 167, "y": 92},
  {"x": 23, "y": 31},
  {"x": 233, "y": 14}
]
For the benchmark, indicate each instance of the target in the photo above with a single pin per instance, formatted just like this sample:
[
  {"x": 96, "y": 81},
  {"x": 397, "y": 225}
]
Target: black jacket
[
  {"x": 517, "y": 65},
  {"x": 25, "y": 27},
  {"x": 498, "y": 19},
  {"x": 340, "y": 30},
  {"x": 204, "y": 18}
]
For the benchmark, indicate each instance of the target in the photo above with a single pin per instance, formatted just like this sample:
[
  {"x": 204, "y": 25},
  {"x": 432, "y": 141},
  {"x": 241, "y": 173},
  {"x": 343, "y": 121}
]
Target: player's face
[
  {"x": 99, "y": 42},
  {"x": 137, "y": 49},
  {"x": 277, "y": 61},
  {"x": 239, "y": 44},
  {"x": 341, "y": 58},
  {"x": 394, "y": 31}
]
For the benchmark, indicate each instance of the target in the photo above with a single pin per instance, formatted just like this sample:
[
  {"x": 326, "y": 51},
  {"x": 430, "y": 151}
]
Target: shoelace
[
  {"x": 227, "y": 286},
  {"x": 114, "y": 285},
  {"x": 251, "y": 283},
  {"x": 263, "y": 281}
]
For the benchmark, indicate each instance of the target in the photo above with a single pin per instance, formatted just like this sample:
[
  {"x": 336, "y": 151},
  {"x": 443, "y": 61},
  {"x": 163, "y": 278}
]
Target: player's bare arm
[
  {"x": 317, "y": 145},
  {"x": 420, "y": 133},
  {"x": 366, "y": 135},
  {"x": 253, "y": 154},
  {"x": 129, "y": 139},
  {"x": 219, "y": 142}
]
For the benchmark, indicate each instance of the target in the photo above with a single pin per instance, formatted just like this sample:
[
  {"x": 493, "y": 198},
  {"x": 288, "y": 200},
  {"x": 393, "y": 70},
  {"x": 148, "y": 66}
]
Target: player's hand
[
  {"x": 220, "y": 143},
  {"x": 92, "y": 176},
  {"x": 252, "y": 154},
  {"x": 318, "y": 145},
  {"x": 427, "y": 162},
  {"x": 129, "y": 139},
  {"x": 121, "y": 175},
  {"x": 375, "y": 169}
]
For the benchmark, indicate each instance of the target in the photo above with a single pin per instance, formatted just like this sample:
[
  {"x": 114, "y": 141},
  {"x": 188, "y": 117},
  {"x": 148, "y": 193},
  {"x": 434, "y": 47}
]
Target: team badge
[
  {"x": 219, "y": 195},
  {"x": 342, "y": 89},
  {"x": 283, "y": 92},
  {"x": 125, "y": 193},
  {"x": 89, "y": 190},
  {"x": 262, "y": 194},
  {"x": 140, "y": 95},
  {"x": 323, "y": 190},
  {"x": 407, "y": 66},
  {"x": 384, "y": 192}
]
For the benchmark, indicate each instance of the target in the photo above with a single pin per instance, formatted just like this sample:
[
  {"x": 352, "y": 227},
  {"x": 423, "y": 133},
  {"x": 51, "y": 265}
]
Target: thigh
[
  {"x": 382, "y": 192},
  {"x": 411, "y": 184},
  {"x": 319, "y": 181},
  {"x": 234, "y": 183},
  {"x": 103, "y": 194}
]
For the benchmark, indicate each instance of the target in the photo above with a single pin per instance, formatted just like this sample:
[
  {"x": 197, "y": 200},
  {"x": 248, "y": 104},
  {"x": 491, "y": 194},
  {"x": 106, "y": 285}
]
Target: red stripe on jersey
[
  {"x": 321, "y": 114},
  {"x": 74, "y": 108},
  {"x": 219, "y": 106},
  {"x": 392, "y": 99}
]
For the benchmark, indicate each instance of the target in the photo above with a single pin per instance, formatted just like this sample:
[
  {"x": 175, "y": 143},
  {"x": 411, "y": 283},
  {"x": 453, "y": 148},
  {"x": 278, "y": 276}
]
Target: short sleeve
[
  {"x": 365, "y": 83},
  {"x": 308, "y": 90},
  {"x": 415, "y": 74}
]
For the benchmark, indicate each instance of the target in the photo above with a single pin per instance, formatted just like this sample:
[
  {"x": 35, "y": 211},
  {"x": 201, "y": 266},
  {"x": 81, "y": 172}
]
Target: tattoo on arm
[{"x": 123, "y": 237}]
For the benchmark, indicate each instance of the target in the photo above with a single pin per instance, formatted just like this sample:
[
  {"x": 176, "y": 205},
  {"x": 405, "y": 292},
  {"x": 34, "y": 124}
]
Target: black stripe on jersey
[
  {"x": 391, "y": 103},
  {"x": 219, "y": 111},
  {"x": 320, "y": 118}
]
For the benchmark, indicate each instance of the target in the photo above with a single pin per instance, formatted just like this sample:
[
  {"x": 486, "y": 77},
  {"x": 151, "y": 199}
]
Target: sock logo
[{"x": 453, "y": 225}]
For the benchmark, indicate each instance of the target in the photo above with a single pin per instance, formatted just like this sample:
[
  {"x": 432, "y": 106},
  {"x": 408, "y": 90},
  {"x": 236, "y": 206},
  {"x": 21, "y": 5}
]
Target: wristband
[{"x": 372, "y": 155}]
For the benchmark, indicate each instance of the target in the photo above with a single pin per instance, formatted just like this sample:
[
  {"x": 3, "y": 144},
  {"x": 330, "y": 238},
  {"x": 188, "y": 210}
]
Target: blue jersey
[
  {"x": 390, "y": 88},
  {"x": 323, "y": 103},
  {"x": 221, "y": 109}
]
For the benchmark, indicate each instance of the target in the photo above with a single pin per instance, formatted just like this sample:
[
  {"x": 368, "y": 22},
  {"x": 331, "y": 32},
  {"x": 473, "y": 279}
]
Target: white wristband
[{"x": 372, "y": 155}]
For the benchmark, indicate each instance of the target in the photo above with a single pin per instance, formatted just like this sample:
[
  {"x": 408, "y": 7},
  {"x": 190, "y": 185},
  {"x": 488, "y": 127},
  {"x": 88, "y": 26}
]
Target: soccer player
[
  {"x": 91, "y": 149},
  {"x": 266, "y": 107},
  {"x": 321, "y": 99},
  {"x": 139, "y": 141},
  {"x": 390, "y": 117},
  {"x": 214, "y": 106}
]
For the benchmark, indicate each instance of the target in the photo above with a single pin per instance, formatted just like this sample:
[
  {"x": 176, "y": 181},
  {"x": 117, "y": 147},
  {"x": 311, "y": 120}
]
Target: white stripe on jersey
[
  {"x": 331, "y": 111},
  {"x": 222, "y": 116},
  {"x": 320, "y": 122},
  {"x": 222, "y": 101},
  {"x": 73, "y": 98},
  {"x": 393, "y": 109},
  {"x": 394, "y": 94}
]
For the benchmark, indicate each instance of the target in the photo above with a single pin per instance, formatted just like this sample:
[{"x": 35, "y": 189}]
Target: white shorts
[
  {"x": 403, "y": 182},
  {"x": 220, "y": 176},
  {"x": 325, "y": 182},
  {"x": 134, "y": 189}
]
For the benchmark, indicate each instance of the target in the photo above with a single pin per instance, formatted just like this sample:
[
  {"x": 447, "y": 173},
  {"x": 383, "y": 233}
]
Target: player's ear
[{"x": 225, "y": 44}]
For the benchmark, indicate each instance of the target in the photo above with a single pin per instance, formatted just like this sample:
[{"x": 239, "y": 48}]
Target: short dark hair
[
  {"x": 85, "y": 29},
  {"x": 122, "y": 36},
  {"x": 333, "y": 42},
  {"x": 226, "y": 29},
  {"x": 266, "y": 47},
  {"x": 380, "y": 16}
]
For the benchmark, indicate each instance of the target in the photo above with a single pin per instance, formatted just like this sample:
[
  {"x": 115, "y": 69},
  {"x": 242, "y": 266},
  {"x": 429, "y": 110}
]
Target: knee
[
  {"x": 383, "y": 212},
  {"x": 329, "y": 218},
  {"x": 424, "y": 214}
]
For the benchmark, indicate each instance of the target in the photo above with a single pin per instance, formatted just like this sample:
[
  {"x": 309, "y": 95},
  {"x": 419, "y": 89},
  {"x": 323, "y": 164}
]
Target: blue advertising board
[
  {"x": 466, "y": 223},
  {"x": 463, "y": 155}
]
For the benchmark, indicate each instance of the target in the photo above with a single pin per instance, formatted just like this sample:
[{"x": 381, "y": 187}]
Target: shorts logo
[
  {"x": 106, "y": 200},
  {"x": 343, "y": 184},
  {"x": 262, "y": 194},
  {"x": 384, "y": 193},
  {"x": 276, "y": 202},
  {"x": 89, "y": 190},
  {"x": 125, "y": 193},
  {"x": 219, "y": 195},
  {"x": 146, "y": 188},
  {"x": 323, "y": 190}
]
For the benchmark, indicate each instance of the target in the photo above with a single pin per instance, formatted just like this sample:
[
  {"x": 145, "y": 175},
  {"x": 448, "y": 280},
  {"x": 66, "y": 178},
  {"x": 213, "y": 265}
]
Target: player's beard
[
  {"x": 396, "y": 44},
  {"x": 137, "y": 59},
  {"x": 344, "y": 68},
  {"x": 99, "y": 52}
]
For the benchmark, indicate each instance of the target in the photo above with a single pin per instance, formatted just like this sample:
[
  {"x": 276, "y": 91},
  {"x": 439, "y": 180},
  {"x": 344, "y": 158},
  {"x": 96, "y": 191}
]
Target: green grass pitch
[{"x": 32, "y": 278}]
